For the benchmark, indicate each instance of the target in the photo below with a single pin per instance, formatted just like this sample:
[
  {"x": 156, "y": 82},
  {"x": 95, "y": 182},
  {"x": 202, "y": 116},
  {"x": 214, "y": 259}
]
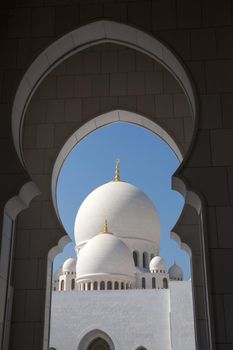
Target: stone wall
[{"x": 200, "y": 33}]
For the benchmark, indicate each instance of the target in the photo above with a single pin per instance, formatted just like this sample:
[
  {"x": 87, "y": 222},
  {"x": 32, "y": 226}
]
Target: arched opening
[
  {"x": 122, "y": 285},
  {"x": 99, "y": 344},
  {"x": 116, "y": 285},
  {"x": 95, "y": 285},
  {"x": 165, "y": 283},
  {"x": 153, "y": 283},
  {"x": 145, "y": 260},
  {"x": 147, "y": 283},
  {"x": 109, "y": 285},
  {"x": 62, "y": 285},
  {"x": 135, "y": 258},
  {"x": 96, "y": 340},
  {"x": 72, "y": 284},
  {"x": 102, "y": 285}
]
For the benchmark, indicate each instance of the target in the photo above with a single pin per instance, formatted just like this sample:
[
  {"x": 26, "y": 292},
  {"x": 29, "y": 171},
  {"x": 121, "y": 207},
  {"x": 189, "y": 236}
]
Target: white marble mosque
[{"x": 119, "y": 294}]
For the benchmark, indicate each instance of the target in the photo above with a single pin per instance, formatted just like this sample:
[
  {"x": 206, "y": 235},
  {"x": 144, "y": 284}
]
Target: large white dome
[
  {"x": 130, "y": 214},
  {"x": 105, "y": 254}
]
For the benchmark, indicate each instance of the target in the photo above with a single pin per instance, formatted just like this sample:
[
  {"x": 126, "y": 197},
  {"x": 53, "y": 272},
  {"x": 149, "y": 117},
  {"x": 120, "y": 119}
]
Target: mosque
[{"x": 118, "y": 278}]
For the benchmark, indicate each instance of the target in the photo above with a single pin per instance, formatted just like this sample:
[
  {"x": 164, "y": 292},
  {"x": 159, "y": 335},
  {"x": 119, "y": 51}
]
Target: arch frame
[
  {"x": 94, "y": 33},
  {"x": 89, "y": 336},
  {"x": 100, "y": 121}
]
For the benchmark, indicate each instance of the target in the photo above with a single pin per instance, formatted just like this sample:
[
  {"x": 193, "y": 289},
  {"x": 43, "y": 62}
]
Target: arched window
[
  {"x": 99, "y": 343},
  {"x": 84, "y": 286},
  {"x": 96, "y": 340},
  {"x": 153, "y": 283},
  {"x": 165, "y": 284},
  {"x": 135, "y": 257},
  {"x": 95, "y": 285},
  {"x": 143, "y": 282},
  {"x": 89, "y": 286},
  {"x": 122, "y": 285},
  {"x": 102, "y": 285},
  {"x": 116, "y": 285},
  {"x": 144, "y": 260},
  {"x": 62, "y": 285},
  {"x": 109, "y": 285},
  {"x": 72, "y": 283}
]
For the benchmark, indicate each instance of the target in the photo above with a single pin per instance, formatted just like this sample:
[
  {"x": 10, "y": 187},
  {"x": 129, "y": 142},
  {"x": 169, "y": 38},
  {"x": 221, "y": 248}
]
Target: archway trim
[
  {"x": 101, "y": 31},
  {"x": 98, "y": 122},
  {"x": 86, "y": 340}
]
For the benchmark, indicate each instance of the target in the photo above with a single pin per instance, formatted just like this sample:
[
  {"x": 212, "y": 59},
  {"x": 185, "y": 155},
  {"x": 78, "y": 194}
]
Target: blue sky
[{"x": 145, "y": 161}]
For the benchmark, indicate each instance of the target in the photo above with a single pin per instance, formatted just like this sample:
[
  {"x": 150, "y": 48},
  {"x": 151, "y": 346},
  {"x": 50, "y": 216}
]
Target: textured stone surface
[
  {"x": 191, "y": 29},
  {"x": 94, "y": 309}
]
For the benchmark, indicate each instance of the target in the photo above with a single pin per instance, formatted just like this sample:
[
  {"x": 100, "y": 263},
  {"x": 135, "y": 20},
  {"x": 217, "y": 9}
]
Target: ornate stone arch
[
  {"x": 90, "y": 35},
  {"x": 101, "y": 31}
]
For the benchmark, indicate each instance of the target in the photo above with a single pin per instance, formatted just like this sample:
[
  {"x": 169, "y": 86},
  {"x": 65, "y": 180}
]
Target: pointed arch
[
  {"x": 96, "y": 337},
  {"x": 145, "y": 260},
  {"x": 101, "y": 31}
]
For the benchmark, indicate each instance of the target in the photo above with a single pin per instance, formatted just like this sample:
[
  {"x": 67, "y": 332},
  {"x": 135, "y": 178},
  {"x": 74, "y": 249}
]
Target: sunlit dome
[
  {"x": 130, "y": 212},
  {"x": 157, "y": 264},
  {"x": 175, "y": 272},
  {"x": 69, "y": 265},
  {"x": 105, "y": 254}
]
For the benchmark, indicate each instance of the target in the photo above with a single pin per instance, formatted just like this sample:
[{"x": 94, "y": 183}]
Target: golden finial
[
  {"x": 117, "y": 171},
  {"x": 105, "y": 226}
]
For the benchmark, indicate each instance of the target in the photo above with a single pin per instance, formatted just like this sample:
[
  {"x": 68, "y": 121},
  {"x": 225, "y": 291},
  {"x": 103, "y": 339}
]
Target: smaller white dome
[
  {"x": 69, "y": 265},
  {"x": 157, "y": 264},
  {"x": 175, "y": 272},
  {"x": 105, "y": 254}
]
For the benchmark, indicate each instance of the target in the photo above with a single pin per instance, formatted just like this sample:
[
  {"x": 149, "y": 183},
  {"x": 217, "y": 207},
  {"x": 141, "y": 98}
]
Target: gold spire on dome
[
  {"x": 105, "y": 226},
  {"x": 117, "y": 171}
]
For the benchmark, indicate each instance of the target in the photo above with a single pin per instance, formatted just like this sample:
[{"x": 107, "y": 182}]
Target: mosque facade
[{"x": 118, "y": 294}]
